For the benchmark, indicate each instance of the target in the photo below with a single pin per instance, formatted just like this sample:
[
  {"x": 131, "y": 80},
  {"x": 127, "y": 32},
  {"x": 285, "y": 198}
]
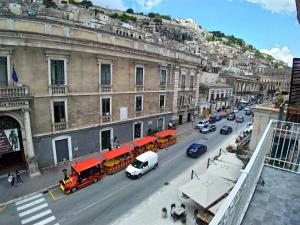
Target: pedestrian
[
  {"x": 18, "y": 177},
  {"x": 11, "y": 179},
  {"x": 109, "y": 147}
]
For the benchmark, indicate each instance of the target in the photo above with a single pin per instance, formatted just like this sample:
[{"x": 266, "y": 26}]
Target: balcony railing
[
  {"x": 105, "y": 88},
  {"x": 60, "y": 126},
  {"x": 58, "y": 89},
  {"x": 139, "y": 87},
  {"x": 14, "y": 91},
  {"x": 106, "y": 119},
  {"x": 138, "y": 114},
  {"x": 277, "y": 148},
  {"x": 161, "y": 110},
  {"x": 162, "y": 87}
]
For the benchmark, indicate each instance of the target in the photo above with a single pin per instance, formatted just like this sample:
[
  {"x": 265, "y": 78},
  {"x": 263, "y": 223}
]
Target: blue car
[
  {"x": 195, "y": 150},
  {"x": 218, "y": 117}
]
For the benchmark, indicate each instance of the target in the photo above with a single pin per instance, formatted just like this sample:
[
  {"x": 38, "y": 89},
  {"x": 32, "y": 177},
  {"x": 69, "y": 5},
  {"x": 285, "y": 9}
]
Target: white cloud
[
  {"x": 276, "y": 6},
  {"x": 111, "y": 4},
  {"x": 280, "y": 54},
  {"x": 148, "y": 4}
]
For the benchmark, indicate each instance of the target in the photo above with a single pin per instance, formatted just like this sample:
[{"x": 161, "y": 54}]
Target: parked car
[
  {"x": 231, "y": 117},
  {"x": 248, "y": 113},
  {"x": 239, "y": 119},
  {"x": 212, "y": 119},
  {"x": 235, "y": 110},
  {"x": 226, "y": 130},
  {"x": 142, "y": 164},
  {"x": 195, "y": 150},
  {"x": 202, "y": 123},
  {"x": 208, "y": 128},
  {"x": 240, "y": 107},
  {"x": 247, "y": 108},
  {"x": 218, "y": 116}
]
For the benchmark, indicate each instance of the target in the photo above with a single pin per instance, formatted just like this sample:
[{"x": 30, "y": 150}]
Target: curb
[
  {"x": 28, "y": 195},
  {"x": 52, "y": 186}
]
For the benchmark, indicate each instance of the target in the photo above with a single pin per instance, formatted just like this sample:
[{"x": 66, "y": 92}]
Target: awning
[
  {"x": 225, "y": 170},
  {"x": 144, "y": 141},
  {"x": 216, "y": 207},
  {"x": 165, "y": 133},
  {"x": 207, "y": 189},
  {"x": 116, "y": 152},
  {"x": 230, "y": 158},
  {"x": 85, "y": 164}
]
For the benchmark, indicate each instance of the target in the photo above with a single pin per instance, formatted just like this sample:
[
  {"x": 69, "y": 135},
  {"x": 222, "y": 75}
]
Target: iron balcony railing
[
  {"x": 14, "y": 91},
  {"x": 278, "y": 148}
]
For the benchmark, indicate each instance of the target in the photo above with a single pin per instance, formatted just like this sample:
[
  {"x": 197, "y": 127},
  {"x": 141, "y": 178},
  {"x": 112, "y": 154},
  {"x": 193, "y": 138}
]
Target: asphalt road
[{"x": 105, "y": 201}]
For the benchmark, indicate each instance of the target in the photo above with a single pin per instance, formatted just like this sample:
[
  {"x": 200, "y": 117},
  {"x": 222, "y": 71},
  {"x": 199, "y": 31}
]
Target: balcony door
[{"x": 3, "y": 71}]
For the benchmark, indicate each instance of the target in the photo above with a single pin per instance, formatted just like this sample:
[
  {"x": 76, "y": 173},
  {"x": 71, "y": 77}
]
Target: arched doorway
[{"x": 11, "y": 145}]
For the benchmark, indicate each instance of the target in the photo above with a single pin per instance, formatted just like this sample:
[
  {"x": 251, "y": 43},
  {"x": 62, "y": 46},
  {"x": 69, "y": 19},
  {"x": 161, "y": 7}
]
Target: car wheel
[
  {"x": 74, "y": 189},
  {"x": 155, "y": 166},
  {"x": 95, "y": 180},
  {"x": 139, "y": 176}
]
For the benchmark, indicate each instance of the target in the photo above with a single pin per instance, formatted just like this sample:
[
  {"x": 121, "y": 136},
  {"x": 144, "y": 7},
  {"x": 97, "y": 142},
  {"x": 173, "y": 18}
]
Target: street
[{"x": 104, "y": 202}]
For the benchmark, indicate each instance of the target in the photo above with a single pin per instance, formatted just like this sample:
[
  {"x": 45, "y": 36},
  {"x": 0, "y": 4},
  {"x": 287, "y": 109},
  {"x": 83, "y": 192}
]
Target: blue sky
[{"x": 269, "y": 25}]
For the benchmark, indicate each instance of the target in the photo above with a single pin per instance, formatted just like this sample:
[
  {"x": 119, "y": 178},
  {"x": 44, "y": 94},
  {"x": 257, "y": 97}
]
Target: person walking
[
  {"x": 11, "y": 179},
  {"x": 18, "y": 177}
]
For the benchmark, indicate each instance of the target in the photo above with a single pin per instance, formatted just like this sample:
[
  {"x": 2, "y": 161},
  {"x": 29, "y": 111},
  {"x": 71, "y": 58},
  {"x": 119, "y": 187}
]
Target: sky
[{"x": 269, "y": 25}]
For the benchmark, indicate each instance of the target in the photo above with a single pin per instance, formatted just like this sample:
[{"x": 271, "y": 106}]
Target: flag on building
[{"x": 14, "y": 75}]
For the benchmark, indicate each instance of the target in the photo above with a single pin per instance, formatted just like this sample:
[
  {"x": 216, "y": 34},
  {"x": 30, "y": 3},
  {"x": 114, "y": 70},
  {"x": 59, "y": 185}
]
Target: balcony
[
  {"x": 105, "y": 88},
  {"x": 162, "y": 87},
  {"x": 138, "y": 114},
  {"x": 162, "y": 110},
  {"x": 139, "y": 87},
  {"x": 106, "y": 119},
  {"x": 60, "y": 126},
  {"x": 58, "y": 89},
  {"x": 260, "y": 195},
  {"x": 14, "y": 92}
]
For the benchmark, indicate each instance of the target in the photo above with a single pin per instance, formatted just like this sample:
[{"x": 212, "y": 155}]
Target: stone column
[{"x": 32, "y": 163}]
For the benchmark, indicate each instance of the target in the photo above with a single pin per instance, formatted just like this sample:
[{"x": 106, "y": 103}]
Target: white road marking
[
  {"x": 33, "y": 210},
  {"x": 30, "y": 204},
  {"x": 45, "y": 221},
  {"x": 37, "y": 216},
  {"x": 28, "y": 199}
]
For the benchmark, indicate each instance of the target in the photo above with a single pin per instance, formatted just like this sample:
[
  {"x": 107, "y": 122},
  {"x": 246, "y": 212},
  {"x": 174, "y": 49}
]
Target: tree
[
  {"x": 151, "y": 14},
  {"x": 86, "y": 3},
  {"x": 49, "y": 4},
  {"x": 130, "y": 10}
]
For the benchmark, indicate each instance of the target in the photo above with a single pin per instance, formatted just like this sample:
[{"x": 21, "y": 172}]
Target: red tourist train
[{"x": 89, "y": 171}]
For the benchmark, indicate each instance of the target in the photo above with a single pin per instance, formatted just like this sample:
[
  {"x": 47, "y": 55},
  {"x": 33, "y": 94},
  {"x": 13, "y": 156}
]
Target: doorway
[
  {"x": 180, "y": 119},
  {"x": 106, "y": 137},
  {"x": 62, "y": 150},
  {"x": 189, "y": 117},
  {"x": 137, "y": 130}
]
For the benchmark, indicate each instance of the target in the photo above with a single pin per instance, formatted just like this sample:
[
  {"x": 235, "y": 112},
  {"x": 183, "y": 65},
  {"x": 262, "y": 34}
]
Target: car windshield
[
  {"x": 137, "y": 164},
  {"x": 193, "y": 149}
]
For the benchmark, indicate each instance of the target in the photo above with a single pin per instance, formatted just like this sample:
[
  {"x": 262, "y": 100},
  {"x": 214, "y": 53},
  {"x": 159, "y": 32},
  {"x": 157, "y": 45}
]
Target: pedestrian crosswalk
[{"x": 34, "y": 210}]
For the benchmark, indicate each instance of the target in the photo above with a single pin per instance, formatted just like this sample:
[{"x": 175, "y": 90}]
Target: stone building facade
[{"x": 81, "y": 90}]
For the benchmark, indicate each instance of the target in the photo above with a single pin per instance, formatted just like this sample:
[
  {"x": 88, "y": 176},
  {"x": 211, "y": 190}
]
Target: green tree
[
  {"x": 50, "y": 4},
  {"x": 151, "y": 14},
  {"x": 130, "y": 10},
  {"x": 86, "y": 3}
]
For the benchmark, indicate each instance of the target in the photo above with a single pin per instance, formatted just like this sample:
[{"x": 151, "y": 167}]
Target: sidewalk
[{"x": 48, "y": 178}]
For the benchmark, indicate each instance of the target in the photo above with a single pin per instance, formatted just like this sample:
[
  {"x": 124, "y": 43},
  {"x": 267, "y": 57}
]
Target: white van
[{"x": 142, "y": 164}]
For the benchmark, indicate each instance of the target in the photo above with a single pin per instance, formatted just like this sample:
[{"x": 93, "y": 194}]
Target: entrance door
[
  {"x": 180, "y": 119},
  {"x": 189, "y": 117},
  {"x": 137, "y": 129},
  {"x": 62, "y": 150},
  {"x": 105, "y": 139}
]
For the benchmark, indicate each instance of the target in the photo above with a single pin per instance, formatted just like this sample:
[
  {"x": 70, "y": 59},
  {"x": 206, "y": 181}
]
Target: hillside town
[{"x": 88, "y": 91}]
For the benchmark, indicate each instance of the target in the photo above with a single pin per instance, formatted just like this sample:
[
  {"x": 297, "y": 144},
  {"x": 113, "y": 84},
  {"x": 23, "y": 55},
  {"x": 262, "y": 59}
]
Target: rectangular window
[
  {"x": 105, "y": 102},
  {"x": 106, "y": 74},
  {"x": 57, "y": 72},
  {"x": 191, "y": 81},
  {"x": 139, "y": 76},
  {"x": 181, "y": 100},
  {"x": 163, "y": 77},
  {"x": 161, "y": 101},
  {"x": 3, "y": 71},
  {"x": 138, "y": 103},
  {"x": 59, "y": 112},
  {"x": 183, "y": 81}
]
